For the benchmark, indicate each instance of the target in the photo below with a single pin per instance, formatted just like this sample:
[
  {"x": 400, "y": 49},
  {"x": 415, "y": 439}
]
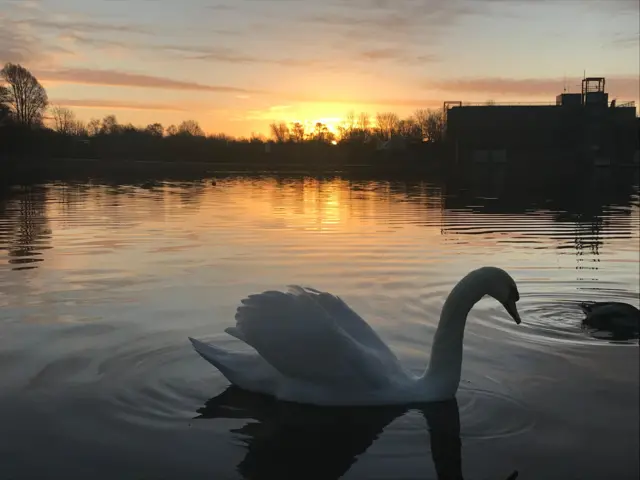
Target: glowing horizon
[{"x": 237, "y": 66}]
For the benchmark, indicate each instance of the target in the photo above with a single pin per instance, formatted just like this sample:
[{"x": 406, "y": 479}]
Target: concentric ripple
[{"x": 102, "y": 282}]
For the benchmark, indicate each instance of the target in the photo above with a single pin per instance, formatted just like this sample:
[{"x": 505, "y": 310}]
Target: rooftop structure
[{"x": 581, "y": 124}]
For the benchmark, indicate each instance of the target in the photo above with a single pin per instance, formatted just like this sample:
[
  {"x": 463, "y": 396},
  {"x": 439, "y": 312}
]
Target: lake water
[{"x": 100, "y": 285}]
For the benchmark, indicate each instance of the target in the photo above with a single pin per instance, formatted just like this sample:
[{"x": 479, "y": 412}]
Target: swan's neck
[{"x": 443, "y": 372}]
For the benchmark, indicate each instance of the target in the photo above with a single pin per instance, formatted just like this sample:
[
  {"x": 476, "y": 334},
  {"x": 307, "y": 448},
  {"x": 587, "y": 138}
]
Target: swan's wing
[
  {"x": 302, "y": 339},
  {"x": 347, "y": 319}
]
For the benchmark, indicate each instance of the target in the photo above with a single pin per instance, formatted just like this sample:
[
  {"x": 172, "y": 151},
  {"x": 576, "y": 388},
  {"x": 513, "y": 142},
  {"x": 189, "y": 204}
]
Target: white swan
[{"x": 310, "y": 347}]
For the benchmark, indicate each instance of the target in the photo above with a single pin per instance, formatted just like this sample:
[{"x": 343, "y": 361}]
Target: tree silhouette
[
  {"x": 64, "y": 120},
  {"x": 155, "y": 129},
  {"x": 93, "y": 127},
  {"x": 280, "y": 132},
  {"x": 26, "y": 97},
  {"x": 387, "y": 123},
  {"x": 109, "y": 125},
  {"x": 320, "y": 132},
  {"x": 364, "y": 121},
  {"x": 421, "y": 117},
  {"x": 190, "y": 127},
  {"x": 435, "y": 126},
  {"x": 297, "y": 132},
  {"x": 4, "y": 103}
]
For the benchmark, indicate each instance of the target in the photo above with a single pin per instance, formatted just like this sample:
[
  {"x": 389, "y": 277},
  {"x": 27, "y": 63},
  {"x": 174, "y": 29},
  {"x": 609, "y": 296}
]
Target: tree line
[
  {"x": 25, "y": 111},
  {"x": 424, "y": 125}
]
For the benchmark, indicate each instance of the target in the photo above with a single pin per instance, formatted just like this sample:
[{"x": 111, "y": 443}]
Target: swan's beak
[{"x": 511, "y": 308}]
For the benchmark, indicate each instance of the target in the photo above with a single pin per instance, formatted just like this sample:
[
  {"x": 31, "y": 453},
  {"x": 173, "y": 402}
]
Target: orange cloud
[
  {"x": 114, "y": 104},
  {"x": 396, "y": 54},
  {"x": 126, "y": 79},
  {"x": 623, "y": 86}
]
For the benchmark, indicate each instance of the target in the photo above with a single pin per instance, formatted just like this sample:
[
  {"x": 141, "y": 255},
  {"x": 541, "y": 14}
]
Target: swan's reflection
[{"x": 289, "y": 440}]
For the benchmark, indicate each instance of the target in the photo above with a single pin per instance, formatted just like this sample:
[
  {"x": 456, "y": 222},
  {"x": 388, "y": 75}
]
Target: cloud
[
  {"x": 19, "y": 45},
  {"x": 413, "y": 102},
  {"x": 626, "y": 40},
  {"x": 227, "y": 55},
  {"x": 88, "y": 76},
  {"x": 626, "y": 86},
  {"x": 396, "y": 55},
  {"x": 221, "y": 7},
  {"x": 82, "y": 26},
  {"x": 183, "y": 52},
  {"x": 115, "y": 105},
  {"x": 399, "y": 19}
]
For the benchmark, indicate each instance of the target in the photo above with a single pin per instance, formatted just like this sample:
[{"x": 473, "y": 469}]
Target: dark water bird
[
  {"x": 287, "y": 440},
  {"x": 148, "y": 185},
  {"x": 618, "y": 318}
]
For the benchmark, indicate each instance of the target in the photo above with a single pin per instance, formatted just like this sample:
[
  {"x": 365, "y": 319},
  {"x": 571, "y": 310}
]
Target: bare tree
[
  {"x": 435, "y": 126},
  {"x": 64, "y": 120},
  {"x": 421, "y": 117},
  {"x": 190, "y": 127},
  {"x": 155, "y": 129},
  {"x": 79, "y": 129},
  {"x": 257, "y": 138},
  {"x": 321, "y": 133},
  {"x": 349, "y": 121},
  {"x": 297, "y": 132},
  {"x": 26, "y": 97},
  {"x": 387, "y": 123},
  {"x": 4, "y": 103},
  {"x": 171, "y": 130},
  {"x": 409, "y": 128},
  {"x": 110, "y": 125},
  {"x": 364, "y": 121},
  {"x": 280, "y": 132},
  {"x": 93, "y": 127}
]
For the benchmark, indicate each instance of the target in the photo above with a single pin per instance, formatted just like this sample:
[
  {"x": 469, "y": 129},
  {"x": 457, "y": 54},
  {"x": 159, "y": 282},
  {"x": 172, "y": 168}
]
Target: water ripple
[{"x": 101, "y": 283}]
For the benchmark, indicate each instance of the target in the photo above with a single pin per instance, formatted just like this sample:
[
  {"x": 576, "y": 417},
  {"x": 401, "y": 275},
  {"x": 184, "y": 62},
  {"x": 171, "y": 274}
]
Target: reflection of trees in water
[
  {"x": 125, "y": 205},
  {"x": 26, "y": 213},
  {"x": 24, "y": 231}
]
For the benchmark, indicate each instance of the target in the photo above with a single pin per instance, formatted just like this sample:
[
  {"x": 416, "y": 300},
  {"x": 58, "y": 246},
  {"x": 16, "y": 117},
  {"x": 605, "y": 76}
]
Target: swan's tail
[
  {"x": 216, "y": 356},
  {"x": 245, "y": 370}
]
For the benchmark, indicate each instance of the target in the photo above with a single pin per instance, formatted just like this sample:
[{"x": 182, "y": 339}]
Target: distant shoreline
[
  {"x": 51, "y": 163},
  {"x": 27, "y": 171}
]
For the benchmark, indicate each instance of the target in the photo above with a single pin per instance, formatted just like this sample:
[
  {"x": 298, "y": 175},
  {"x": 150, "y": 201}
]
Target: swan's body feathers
[{"x": 314, "y": 337}]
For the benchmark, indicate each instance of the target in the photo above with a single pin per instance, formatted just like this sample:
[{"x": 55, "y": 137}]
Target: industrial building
[{"x": 581, "y": 130}]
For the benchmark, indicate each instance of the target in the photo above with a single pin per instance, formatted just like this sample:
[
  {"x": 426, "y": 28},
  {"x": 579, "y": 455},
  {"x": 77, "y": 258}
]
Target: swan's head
[{"x": 502, "y": 287}]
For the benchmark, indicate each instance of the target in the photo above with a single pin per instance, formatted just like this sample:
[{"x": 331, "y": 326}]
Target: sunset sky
[{"x": 237, "y": 65}]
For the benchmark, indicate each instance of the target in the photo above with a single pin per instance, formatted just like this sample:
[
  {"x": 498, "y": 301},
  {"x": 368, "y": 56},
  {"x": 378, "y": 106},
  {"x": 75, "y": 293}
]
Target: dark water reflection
[
  {"x": 290, "y": 441},
  {"x": 102, "y": 281}
]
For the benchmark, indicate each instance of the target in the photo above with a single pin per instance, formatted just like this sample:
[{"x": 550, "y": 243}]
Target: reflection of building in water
[
  {"x": 587, "y": 237},
  {"x": 575, "y": 221},
  {"x": 24, "y": 231}
]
